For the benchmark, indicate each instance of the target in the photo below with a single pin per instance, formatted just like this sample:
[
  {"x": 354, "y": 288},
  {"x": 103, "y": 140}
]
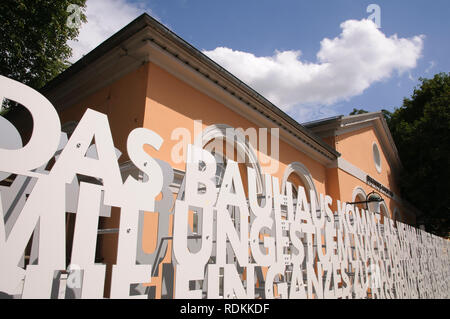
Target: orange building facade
[{"x": 146, "y": 76}]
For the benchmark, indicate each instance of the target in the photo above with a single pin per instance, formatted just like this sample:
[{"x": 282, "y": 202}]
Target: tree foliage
[
  {"x": 387, "y": 115},
  {"x": 358, "y": 111},
  {"x": 421, "y": 131},
  {"x": 33, "y": 41}
]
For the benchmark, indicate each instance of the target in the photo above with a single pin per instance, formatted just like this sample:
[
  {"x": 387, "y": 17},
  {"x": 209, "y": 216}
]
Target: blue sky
[{"x": 273, "y": 46}]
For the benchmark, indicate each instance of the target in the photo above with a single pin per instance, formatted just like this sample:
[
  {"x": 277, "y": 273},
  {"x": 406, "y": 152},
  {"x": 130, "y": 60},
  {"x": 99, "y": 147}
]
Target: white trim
[
  {"x": 351, "y": 169},
  {"x": 352, "y": 127},
  {"x": 358, "y": 190}
]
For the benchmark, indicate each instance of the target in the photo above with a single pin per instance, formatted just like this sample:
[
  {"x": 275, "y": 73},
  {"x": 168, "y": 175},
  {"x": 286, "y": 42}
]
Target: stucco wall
[
  {"x": 356, "y": 148},
  {"x": 172, "y": 103}
]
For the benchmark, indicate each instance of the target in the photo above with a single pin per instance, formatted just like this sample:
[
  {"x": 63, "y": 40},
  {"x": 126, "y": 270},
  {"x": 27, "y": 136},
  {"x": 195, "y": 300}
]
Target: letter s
[{"x": 144, "y": 192}]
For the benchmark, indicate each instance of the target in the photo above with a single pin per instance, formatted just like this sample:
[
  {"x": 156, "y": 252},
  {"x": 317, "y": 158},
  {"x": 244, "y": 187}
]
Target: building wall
[
  {"x": 123, "y": 101},
  {"x": 356, "y": 148},
  {"x": 153, "y": 98},
  {"x": 172, "y": 103}
]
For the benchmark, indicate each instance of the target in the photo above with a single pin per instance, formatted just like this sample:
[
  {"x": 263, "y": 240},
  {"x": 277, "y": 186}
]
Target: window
[
  {"x": 376, "y": 157},
  {"x": 216, "y": 134},
  {"x": 299, "y": 175}
]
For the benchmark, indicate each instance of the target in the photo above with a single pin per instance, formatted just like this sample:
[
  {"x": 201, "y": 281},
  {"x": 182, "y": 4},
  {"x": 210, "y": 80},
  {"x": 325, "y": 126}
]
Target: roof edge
[{"x": 145, "y": 20}]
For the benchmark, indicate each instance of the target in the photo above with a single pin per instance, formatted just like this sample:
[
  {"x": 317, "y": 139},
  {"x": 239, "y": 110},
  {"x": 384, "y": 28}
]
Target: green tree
[
  {"x": 421, "y": 131},
  {"x": 358, "y": 111},
  {"x": 387, "y": 115},
  {"x": 34, "y": 35}
]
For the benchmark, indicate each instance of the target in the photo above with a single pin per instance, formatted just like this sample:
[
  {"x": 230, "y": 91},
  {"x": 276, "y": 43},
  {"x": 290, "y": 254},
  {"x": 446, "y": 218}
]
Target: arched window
[
  {"x": 359, "y": 195},
  {"x": 298, "y": 175},
  {"x": 214, "y": 138},
  {"x": 384, "y": 212}
]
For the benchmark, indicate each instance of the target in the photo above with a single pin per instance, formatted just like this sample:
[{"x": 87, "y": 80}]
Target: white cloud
[
  {"x": 104, "y": 18},
  {"x": 346, "y": 65}
]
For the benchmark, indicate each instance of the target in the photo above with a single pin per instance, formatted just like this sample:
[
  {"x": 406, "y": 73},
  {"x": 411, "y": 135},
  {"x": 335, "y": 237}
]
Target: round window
[{"x": 376, "y": 157}]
